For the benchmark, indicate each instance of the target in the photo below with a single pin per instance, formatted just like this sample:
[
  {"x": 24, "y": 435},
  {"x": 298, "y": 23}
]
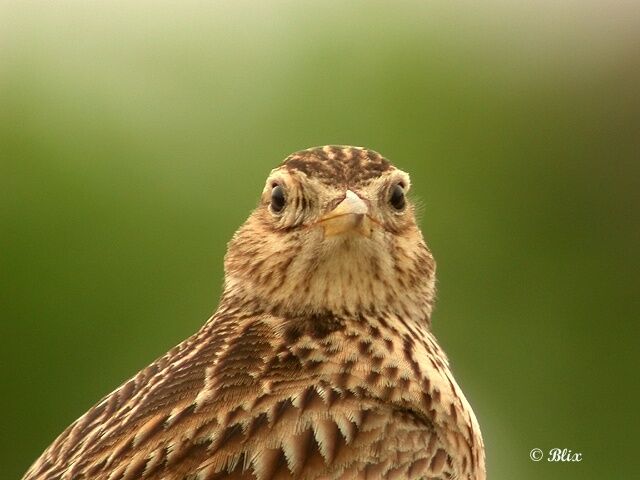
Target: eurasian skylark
[{"x": 319, "y": 363}]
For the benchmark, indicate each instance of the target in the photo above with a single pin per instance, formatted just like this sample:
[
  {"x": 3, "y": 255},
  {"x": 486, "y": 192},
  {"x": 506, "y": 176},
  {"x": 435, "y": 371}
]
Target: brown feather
[{"x": 319, "y": 363}]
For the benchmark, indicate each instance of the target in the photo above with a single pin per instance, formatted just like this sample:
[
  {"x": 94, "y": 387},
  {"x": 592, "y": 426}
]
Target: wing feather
[{"x": 263, "y": 397}]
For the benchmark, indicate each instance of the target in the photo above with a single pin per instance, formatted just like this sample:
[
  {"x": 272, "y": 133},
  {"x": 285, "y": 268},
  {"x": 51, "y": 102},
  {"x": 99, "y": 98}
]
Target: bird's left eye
[
  {"x": 278, "y": 200},
  {"x": 396, "y": 198}
]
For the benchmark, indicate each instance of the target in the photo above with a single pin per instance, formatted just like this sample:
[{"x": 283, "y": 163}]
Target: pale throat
[{"x": 342, "y": 279}]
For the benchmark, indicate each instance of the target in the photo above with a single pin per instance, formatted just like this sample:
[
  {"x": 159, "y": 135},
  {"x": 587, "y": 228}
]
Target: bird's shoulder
[{"x": 261, "y": 392}]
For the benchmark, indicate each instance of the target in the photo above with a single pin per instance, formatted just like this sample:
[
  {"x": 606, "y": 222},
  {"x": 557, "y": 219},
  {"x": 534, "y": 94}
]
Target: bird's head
[{"x": 334, "y": 231}]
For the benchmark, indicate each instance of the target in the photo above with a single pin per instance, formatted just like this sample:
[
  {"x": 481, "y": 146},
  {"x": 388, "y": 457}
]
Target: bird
[{"x": 319, "y": 362}]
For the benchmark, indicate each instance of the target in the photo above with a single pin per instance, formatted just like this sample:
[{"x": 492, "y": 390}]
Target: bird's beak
[{"x": 349, "y": 216}]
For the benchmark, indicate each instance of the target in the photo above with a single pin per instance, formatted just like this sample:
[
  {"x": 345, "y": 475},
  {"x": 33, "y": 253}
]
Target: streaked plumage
[{"x": 319, "y": 362}]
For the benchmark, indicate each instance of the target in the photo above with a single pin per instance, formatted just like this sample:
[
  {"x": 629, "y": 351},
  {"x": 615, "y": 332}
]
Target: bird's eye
[
  {"x": 278, "y": 200},
  {"x": 396, "y": 198}
]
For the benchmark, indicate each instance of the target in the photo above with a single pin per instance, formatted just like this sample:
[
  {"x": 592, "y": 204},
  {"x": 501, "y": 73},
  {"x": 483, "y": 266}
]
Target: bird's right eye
[{"x": 278, "y": 199}]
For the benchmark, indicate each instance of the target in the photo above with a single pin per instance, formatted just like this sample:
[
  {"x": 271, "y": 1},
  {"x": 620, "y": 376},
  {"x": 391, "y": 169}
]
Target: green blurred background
[{"x": 135, "y": 138}]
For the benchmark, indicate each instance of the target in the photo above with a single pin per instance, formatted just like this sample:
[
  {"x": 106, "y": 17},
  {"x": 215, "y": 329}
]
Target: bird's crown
[{"x": 339, "y": 164}]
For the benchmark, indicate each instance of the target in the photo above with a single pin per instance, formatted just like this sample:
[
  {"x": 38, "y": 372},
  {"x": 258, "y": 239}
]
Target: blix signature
[{"x": 555, "y": 455}]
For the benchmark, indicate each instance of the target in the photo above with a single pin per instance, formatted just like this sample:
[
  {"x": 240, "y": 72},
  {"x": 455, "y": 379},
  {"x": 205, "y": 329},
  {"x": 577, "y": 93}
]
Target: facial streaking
[{"x": 333, "y": 231}]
